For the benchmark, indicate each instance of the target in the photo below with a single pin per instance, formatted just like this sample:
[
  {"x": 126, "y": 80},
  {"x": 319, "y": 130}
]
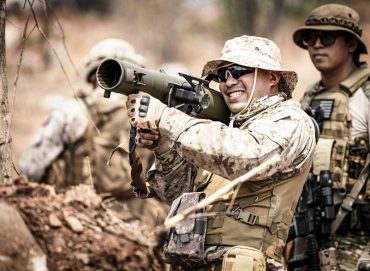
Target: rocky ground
[{"x": 77, "y": 232}]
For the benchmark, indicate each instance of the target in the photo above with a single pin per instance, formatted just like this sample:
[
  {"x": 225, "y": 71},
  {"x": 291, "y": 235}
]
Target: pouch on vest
[
  {"x": 185, "y": 243},
  {"x": 243, "y": 258}
]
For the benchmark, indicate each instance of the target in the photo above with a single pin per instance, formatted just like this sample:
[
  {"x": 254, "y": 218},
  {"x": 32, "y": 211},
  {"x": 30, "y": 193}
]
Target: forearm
[
  {"x": 231, "y": 152},
  {"x": 171, "y": 176}
]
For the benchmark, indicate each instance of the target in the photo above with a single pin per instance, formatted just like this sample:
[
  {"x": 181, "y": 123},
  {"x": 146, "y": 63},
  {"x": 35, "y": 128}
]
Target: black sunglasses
[
  {"x": 327, "y": 38},
  {"x": 236, "y": 71}
]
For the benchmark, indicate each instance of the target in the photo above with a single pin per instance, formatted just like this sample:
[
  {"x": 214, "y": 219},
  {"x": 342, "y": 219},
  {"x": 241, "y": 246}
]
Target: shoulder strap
[
  {"x": 350, "y": 198},
  {"x": 356, "y": 80}
]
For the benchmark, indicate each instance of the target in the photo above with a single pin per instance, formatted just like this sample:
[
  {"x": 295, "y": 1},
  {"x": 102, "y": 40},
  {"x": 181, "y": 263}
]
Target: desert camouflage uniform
[
  {"x": 68, "y": 150},
  {"x": 271, "y": 126},
  {"x": 76, "y": 142}
]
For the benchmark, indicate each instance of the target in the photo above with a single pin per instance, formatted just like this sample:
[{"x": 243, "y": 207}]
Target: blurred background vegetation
[{"x": 163, "y": 27}]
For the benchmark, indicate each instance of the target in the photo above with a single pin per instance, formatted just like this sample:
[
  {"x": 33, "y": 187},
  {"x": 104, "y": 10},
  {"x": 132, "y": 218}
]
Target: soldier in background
[
  {"x": 335, "y": 224},
  {"x": 77, "y": 140}
]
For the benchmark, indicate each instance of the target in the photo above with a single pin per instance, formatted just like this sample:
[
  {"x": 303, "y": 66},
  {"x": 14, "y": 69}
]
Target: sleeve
[
  {"x": 171, "y": 175},
  {"x": 65, "y": 125},
  {"x": 231, "y": 152},
  {"x": 359, "y": 106}
]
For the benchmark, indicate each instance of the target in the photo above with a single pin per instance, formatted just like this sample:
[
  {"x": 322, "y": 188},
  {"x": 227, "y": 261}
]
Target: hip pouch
[
  {"x": 185, "y": 242},
  {"x": 243, "y": 258}
]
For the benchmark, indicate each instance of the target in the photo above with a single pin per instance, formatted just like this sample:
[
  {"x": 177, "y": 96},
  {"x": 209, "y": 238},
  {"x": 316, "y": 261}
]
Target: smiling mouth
[
  {"x": 235, "y": 94},
  {"x": 318, "y": 55}
]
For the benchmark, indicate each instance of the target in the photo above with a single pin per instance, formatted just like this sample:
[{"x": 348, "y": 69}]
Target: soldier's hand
[
  {"x": 144, "y": 111},
  {"x": 151, "y": 139},
  {"x": 147, "y": 138}
]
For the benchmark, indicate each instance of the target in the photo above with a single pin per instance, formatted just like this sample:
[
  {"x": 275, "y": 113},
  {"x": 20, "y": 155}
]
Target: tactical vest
[
  {"x": 261, "y": 213},
  {"x": 86, "y": 160},
  {"x": 333, "y": 150}
]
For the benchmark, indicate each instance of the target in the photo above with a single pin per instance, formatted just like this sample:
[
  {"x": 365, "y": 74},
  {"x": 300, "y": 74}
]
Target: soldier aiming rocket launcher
[
  {"x": 187, "y": 93},
  {"x": 190, "y": 94}
]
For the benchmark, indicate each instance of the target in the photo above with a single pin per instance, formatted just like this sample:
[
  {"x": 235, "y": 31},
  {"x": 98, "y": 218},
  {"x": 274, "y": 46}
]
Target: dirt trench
[{"x": 77, "y": 232}]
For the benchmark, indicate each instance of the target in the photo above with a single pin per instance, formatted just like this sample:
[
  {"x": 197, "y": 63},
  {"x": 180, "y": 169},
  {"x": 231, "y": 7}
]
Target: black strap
[
  {"x": 137, "y": 174},
  {"x": 351, "y": 197}
]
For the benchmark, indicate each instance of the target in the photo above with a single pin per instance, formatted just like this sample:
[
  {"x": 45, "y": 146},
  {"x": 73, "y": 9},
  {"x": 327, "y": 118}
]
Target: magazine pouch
[{"x": 185, "y": 244}]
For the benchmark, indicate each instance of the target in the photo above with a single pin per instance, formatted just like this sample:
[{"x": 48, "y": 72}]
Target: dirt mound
[{"x": 77, "y": 232}]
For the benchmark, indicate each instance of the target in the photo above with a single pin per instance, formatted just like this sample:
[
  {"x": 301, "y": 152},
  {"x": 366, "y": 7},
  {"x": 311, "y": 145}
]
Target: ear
[
  {"x": 352, "y": 45},
  {"x": 274, "y": 78}
]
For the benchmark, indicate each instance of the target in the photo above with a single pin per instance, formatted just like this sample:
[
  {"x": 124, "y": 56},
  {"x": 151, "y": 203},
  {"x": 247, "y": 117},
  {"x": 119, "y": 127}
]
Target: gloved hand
[
  {"x": 151, "y": 140},
  {"x": 144, "y": 111},
  {"x": 147, "y": 138}
]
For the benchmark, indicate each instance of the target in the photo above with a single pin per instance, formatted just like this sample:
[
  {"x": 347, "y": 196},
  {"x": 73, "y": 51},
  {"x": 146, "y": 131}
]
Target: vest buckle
[{"x": 244, "y": 216}]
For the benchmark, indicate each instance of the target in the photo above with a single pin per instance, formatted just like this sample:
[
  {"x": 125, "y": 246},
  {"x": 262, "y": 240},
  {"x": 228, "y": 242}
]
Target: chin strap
[{"x": 241, "y": 114}]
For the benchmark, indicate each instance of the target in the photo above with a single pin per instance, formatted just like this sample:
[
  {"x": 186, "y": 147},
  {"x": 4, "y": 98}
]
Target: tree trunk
[
  {"x": 273, "y": 19},
  {"x": 242, "y": 16},
  {"x": 5, "y": 150}
]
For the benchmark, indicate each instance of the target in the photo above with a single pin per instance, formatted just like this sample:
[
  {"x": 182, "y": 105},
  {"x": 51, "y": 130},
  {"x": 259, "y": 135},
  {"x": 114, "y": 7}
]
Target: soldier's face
[
  {"x": 333, "y": 57},
  {"x": 236, "y": 91}
]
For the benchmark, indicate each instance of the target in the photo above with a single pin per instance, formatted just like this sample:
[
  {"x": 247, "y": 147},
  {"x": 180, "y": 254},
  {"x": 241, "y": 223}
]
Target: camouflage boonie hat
[
  {"x": 332, "y": 17},
  {"x": 254, "y": 52}
]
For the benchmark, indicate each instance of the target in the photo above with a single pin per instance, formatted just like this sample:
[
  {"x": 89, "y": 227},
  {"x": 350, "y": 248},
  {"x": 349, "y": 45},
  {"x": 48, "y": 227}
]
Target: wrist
[{"x": 163, "y": 146}]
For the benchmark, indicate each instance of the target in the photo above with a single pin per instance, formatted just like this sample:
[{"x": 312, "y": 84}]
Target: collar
[{"x": 257, "y": 107}]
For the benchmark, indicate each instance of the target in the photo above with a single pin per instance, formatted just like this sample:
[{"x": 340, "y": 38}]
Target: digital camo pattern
[
  {"x": 66, "y": 125},
  {"x": 231, "y": 152},
  {"x": 187, "y": 254},
  {"x": 255, "y": 52},
  {"x": 185, "y": 245},
  {"x": 187, "y": 200},
  {"x": 170, "y": 166}
]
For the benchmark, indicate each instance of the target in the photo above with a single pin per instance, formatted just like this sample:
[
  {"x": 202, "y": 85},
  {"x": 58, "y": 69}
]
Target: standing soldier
[
  {"x": 195, "y": 157},
  {"x": 332, "y": 223},
  {"x": 74, "y": 145}
]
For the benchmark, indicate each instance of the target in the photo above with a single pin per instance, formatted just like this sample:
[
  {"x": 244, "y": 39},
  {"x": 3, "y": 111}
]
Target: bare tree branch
[
  {"x": 60, "y": 64},
  {"x": 63, "y": 36},
  {"x": 62, "y": 67},
  {"x": 219, "y": 193},
  {"x": 24, "y": 38}
]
